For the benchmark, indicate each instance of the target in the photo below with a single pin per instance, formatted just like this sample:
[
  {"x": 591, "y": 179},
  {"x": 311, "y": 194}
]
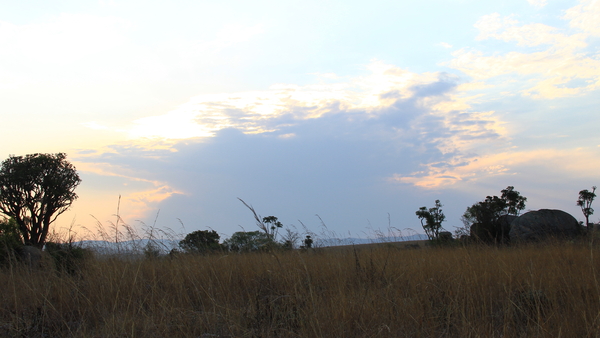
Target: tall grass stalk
[{"x": 546, "y": 290}]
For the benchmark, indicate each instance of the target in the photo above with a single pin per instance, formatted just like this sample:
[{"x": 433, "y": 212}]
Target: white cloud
[
  {"x": 545, "y": 62},
  {"x": 441, "y": 115},
  {"x": 503, "y": 163},
  {"x": 538, "y": 3},
  {"x": 490, "y": 24},
  {"x": 585, "y": 16},
  {"x": 494, "y": 26},
  {"x": 391, "y": 125},
  {"x": 548, "y": 69},
  {"x": 361, "y": 98}
]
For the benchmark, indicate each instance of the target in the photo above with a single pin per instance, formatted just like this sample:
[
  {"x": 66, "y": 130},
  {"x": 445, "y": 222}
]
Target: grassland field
[{"x": 543, "y": 290}]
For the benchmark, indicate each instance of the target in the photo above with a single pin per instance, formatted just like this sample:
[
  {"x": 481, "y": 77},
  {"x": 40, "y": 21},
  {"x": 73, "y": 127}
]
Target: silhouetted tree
[
  {"x": 484, "y": 216},
  {"x": 269, "y": 225},
  {"x": 431, "y": 220},
  {"x": 489, "y": 210},
  {"x": 308, "y": 242},
  {"x": 513, "y": 200},
  {"x": 273, "y": 225},
  {"x": 35, "y": 190},
  {"x": 249, "y": 241},
  {"x": 200, "y": 241},
  {"x": 486, "y": 211},
  {"x": 585, "y": 200}
]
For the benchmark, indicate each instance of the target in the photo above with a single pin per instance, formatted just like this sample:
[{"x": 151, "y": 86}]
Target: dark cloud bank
[{"x": 337, "y": 166}]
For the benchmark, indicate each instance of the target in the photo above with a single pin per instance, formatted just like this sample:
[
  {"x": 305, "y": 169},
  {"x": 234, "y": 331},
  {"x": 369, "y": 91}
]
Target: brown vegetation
[{"x": 384, "y": 291}]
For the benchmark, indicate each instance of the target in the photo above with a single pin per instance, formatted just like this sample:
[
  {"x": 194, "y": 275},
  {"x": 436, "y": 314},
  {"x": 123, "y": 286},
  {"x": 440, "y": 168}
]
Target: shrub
[
  {"x": 10, "y": 240},
  {"x": 67, "y": 257},
  {"x": 201, "y": 241},
  {"x": 250, "y": 241}
]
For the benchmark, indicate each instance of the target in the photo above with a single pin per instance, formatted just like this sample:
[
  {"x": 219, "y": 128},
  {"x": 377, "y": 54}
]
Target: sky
[{"x": 341, "y": 118}]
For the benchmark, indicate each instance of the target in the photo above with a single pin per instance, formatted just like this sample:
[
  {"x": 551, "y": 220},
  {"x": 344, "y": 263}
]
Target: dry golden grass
[{"x": 529, "y": 291}]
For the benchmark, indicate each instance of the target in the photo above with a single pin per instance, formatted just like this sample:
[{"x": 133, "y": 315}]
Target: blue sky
[{"x": 360, "y": 112}]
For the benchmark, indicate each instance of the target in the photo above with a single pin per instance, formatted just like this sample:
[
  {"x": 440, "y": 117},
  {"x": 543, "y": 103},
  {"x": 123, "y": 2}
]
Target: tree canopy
[
  {"x": 270, "y": 225},
  {"x": 513, "y": 201},
  {"x": 431, "y": 219},
  {"x": 489, "y": 210},
  {"x": 584, "y": 201},
  {"x": 242, "y": 241},
  {"x": 34, "y": 190},
  {"x": 201, "y": 241}
]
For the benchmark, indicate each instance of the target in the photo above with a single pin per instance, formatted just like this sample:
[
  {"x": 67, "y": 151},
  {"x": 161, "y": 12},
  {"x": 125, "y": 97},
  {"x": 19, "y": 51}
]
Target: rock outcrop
[{"x": 542, "y": 224}]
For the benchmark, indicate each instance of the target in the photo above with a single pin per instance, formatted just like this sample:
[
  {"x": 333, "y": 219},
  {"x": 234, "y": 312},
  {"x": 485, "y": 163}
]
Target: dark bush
[
  {"x": 201, "y": 241},
  {"x": 10, "y": 240},
  {"x": 67, "y": 257}
]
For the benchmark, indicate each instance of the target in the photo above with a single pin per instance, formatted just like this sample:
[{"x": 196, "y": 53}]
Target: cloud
[
  {"x": 296, "y": 145},
  {"x": 361, "y": 99},
  {"x": 494, "y": 26},
  {"x": 391, "y": 105},
  {"x": 389, "y": 97},
  {"x": 338, "y": 146},
  {"x": 343, "y": 149},
  {"x": 555, "y": 64},
  {"x": 506, "y": 163},
  {"x": 140, "y": 195},
  {"x": 585, "y": 16},
  {"x": 538, "y": 3}
]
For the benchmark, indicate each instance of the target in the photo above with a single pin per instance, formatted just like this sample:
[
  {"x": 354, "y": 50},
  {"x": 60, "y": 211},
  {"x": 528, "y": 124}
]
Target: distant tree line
[
  {"x": 267, "y": 238},
  {"x": 37, "y": 188},
  {"x": 208, "y": 241}
]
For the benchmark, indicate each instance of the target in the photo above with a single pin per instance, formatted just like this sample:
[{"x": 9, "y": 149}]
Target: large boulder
[
  {"x": 496, "y": 232},
  {"x": 542, "y": 224}
]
